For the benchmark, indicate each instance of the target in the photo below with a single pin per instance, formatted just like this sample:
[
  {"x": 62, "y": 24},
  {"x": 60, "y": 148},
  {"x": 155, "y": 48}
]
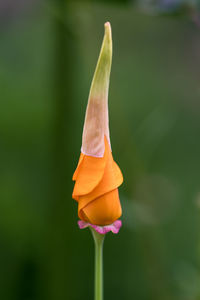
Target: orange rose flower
[{"x": 97, "y": 176}]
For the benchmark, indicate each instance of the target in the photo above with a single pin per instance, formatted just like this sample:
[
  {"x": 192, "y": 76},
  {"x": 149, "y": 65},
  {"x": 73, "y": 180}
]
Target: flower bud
[{"x": 97, "y": 176}]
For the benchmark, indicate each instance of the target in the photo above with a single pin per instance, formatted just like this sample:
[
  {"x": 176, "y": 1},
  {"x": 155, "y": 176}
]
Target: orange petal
[
  {"x": 112, "y": 178},
  {"x": 103, "y": 210},
  {"x": 78, "y": 167},
  {"x": 89, "y": 175}
]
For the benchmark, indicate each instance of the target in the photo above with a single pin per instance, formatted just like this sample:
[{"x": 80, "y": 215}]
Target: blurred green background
[{"x": 48, "y": 53}]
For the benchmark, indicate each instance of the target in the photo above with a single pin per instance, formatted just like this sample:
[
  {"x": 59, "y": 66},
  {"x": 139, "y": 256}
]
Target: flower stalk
[{"x": 98, "y": 282}]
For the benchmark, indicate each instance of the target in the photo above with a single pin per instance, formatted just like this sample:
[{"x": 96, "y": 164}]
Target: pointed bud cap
[{"x": 96, "y": 124}]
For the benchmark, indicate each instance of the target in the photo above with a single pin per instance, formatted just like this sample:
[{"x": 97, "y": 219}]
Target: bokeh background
[{"x": 48, "y": 53}]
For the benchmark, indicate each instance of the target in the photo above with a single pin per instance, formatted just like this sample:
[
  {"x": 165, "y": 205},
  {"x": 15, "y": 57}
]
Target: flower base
[{"x": 114, "y": 227}]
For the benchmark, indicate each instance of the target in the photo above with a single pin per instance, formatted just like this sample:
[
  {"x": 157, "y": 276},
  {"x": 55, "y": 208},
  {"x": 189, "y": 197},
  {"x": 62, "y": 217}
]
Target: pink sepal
[{"x": 114, "y": 227}]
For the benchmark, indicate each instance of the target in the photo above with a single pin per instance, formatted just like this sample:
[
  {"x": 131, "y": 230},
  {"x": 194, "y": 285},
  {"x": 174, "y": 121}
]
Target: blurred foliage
[
  {"x": 170, "y": 5},
  {"x": 47, "y": 57},
  {"x": 115, "y": 1}
]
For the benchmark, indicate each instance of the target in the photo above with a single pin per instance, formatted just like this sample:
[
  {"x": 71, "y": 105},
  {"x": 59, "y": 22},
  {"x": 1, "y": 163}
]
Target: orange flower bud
[{"x": 97, "y": 177}]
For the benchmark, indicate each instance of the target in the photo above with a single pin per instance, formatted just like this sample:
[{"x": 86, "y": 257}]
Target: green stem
[{"x": 98, "y": 284}]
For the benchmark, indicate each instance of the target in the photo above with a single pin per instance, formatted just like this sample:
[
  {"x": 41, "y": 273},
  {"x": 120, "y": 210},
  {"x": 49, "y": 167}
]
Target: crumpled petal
[
  {"x": 115, "y": 227},
  {"x": 96, "y": 188}
]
